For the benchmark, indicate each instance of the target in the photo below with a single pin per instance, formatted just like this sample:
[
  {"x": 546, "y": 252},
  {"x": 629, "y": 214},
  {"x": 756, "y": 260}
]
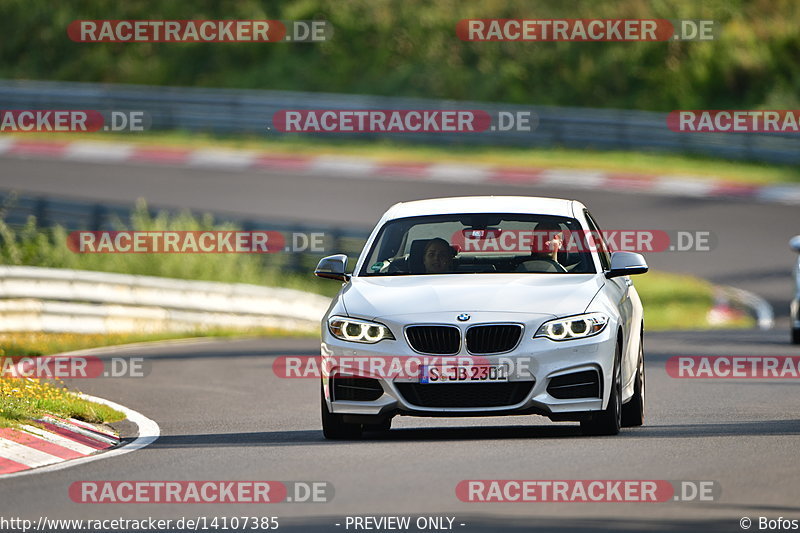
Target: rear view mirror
[
  {"x": 481, "y": 234},
  {"x": 794, "y": 242},
  {"x": 333, "y": 267},
  {"x": 626, "y": 264}
]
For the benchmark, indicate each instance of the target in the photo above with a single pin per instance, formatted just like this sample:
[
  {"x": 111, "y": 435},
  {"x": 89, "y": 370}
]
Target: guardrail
[
  {"x": 74, "y": 215},
  {"x": 727, "y": 297},
  {"x": 60, "y": 300},
  {"x": 251, "y": 111}
]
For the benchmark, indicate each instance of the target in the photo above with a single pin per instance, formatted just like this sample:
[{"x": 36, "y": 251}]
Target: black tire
[
  {"x": 333, "y": 427},
  {"x": 633, "y": 411},
  {"x": 795, "y": 335},
  {"x": 609, "y": 420}
]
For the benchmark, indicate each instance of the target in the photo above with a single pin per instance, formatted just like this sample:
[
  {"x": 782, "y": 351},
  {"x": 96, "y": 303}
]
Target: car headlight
[
  {"x": 355, "y": 330},
  {"x": 573, "y": 327}
]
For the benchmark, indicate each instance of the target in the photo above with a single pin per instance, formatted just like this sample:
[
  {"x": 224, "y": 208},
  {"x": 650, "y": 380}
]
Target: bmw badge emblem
[{"x": 463, "y": 317}]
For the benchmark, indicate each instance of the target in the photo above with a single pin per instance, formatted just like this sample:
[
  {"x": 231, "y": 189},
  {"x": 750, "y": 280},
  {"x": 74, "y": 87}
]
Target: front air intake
[
  {"x": 493, "y": 338},
  {"x": 434, "y": 340},
  {"x": 585, "y": 384}
]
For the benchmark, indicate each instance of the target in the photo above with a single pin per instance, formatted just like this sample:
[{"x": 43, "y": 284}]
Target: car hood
[{"x": 552, "y": 294}]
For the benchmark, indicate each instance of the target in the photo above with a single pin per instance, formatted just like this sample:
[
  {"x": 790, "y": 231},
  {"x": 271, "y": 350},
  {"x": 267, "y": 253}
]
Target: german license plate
[{"x": 433, "y": 374}]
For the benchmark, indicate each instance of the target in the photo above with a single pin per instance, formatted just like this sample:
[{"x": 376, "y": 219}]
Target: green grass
[
  {"x": 23, "y": 400},
  {"x": 31, "y": 344},
  {"x": 33, "y": 245},
  {"x": 623, "y": 162},
  {"x": 675, "y": 301}
]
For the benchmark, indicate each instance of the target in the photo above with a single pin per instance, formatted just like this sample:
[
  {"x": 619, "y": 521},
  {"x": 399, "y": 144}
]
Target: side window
[{"x": 605, "y": 257}]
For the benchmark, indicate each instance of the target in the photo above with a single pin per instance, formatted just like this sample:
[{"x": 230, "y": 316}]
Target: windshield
[{"x": 479, "y": 243}]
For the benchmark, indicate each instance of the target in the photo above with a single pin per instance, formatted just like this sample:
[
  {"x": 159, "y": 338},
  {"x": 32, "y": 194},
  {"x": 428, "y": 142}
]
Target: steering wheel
[{"x": 558, "y": 266}]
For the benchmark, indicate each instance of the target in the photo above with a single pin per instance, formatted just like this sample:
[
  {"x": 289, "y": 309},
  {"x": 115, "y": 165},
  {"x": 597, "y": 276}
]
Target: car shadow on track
[
  {"x": 494, "y": 523},
  {"x": 313, "y": 437}
]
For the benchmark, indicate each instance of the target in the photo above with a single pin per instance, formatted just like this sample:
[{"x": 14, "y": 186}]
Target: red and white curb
[
  {"x": 31, "y": 447},
  {"x": 62, "y": 443},
  {"x": 360, "y": 168}
]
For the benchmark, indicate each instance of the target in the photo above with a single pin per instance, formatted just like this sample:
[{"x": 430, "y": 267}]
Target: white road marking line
[
  {"x": 343, "y": 167},
  {"x": 94, "y": 151},
  {"x": 231, "y": 159},
  {"x": 785, "y": 194},
  {"x": 682, "y": 186},
  {"x": 458, "y": 173},
  {"x": 572, "y": 178},
  {"x": 6, "y": 144}
]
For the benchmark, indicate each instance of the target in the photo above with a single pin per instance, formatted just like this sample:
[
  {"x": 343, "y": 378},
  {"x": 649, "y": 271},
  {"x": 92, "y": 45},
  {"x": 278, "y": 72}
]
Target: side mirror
[
  {"x": 794, "y": 242},
  {"x": 333, "y": 267},
  {"x": 626, "y": 264}
]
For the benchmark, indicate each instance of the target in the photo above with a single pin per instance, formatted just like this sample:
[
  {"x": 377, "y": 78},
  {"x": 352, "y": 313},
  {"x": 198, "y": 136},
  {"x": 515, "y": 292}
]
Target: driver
[{"x": 438, "y": 256}]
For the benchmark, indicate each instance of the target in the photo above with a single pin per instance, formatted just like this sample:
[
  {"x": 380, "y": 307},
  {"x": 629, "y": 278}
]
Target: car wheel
[
  {"x": 633, "y": 411},
  {"x": 796, "y": 336},
  {"x": 333, "y": 426},
  {"x": 609, "y": 420}
]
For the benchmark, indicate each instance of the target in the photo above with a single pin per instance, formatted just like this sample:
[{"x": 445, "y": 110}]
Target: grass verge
[
  {"x": 34, "y": 245},
  {"x": 646, "y": 163},
  {"x": 28, "y": 344},
  {"x": 23, "y": 400},
  {"x": 676, "y": 301}
]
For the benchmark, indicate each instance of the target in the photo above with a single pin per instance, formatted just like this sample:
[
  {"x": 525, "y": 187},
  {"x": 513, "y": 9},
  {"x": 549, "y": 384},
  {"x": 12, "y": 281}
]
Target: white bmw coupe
[{"x": 484, "y": 306}]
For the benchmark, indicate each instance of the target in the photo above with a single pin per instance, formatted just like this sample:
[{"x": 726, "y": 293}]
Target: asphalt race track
[{"x": 224, "y": 414}]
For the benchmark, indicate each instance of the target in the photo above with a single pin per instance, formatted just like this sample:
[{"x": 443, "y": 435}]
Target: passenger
[{"x": 551, "y": 236}]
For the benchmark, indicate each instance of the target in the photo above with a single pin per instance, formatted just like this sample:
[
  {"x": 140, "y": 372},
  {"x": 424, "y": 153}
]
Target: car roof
[{"x": 485, "y": 204}]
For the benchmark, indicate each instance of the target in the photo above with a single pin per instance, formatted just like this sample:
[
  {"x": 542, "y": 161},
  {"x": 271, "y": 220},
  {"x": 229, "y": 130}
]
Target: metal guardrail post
[
  {"x": 40, "y": 212},
  {"x": 98, "y": 217}
]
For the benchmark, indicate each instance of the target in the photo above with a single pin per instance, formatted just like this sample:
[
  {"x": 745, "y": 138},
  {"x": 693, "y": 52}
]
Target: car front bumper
[{"x": 533, "y": 364}]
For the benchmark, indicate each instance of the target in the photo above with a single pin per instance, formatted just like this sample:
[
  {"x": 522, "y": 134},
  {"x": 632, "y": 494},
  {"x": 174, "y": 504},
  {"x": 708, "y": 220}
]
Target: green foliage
[
  {"x": 409, "y": 48},
  {"x": 47, "y": 247}
]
